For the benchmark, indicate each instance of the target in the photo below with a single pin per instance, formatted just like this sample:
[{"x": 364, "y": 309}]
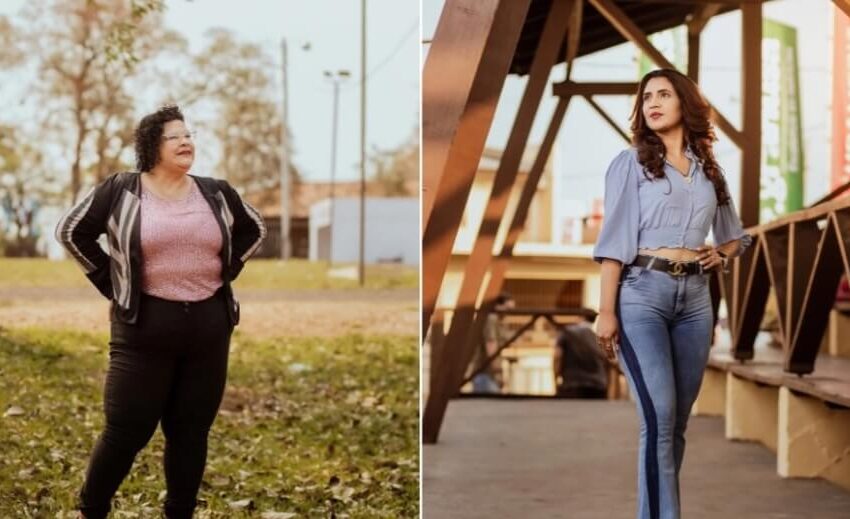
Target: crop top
[{"x": 646, "y": 213}]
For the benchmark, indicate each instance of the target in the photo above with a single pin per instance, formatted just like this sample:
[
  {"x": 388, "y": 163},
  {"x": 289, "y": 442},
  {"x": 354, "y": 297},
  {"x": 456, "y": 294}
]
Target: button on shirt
[{"x": 648, "y": 213}]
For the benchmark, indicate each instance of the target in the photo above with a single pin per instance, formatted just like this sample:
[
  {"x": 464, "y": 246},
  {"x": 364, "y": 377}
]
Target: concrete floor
[{"x": 572, "y": 459}]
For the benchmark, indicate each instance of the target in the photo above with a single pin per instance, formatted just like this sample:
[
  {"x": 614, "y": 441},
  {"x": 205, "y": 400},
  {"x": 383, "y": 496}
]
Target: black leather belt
[{"x": 674, "y": 268}]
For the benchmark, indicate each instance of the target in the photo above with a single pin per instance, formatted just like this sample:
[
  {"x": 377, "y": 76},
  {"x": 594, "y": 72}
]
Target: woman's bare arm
[{"x": 606, "y": 323}]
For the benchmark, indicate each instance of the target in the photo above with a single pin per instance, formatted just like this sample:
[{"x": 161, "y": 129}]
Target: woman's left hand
[{"x": 709, "y": 258}]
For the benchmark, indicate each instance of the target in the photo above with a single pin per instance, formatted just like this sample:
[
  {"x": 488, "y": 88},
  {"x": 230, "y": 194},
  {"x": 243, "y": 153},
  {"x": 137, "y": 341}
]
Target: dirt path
[{"x": 264, "y": 313}]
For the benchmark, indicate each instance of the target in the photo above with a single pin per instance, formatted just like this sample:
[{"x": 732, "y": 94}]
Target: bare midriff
[{"x": 675, "y": 254}]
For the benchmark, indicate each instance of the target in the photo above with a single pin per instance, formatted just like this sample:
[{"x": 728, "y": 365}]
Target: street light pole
[
  {"x": 336, "y": 79},
  {"x": 361, "y": 275},
  {"x": 285, "y": 247}
]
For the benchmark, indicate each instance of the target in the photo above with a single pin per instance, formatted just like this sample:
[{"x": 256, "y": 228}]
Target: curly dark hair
[
  {"x": 699, "y": 133},
  {"x": 149, "y": 133}
]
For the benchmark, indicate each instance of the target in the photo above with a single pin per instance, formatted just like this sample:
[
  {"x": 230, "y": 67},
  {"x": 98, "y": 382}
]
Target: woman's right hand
[{"x": 607, "y": 334}]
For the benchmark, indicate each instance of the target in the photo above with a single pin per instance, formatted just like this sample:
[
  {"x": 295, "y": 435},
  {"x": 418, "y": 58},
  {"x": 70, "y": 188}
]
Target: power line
[{"x": 392, "y": 54}]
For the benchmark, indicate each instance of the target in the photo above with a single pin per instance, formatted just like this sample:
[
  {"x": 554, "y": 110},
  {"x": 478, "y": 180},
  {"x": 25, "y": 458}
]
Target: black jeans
[{"x": 169, "y": 368}]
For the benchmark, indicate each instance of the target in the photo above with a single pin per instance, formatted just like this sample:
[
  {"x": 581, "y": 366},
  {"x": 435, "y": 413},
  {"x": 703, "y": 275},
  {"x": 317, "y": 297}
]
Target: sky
[
  {"x": 586, "y": 144},
  {"x": 331, "y": 29}
]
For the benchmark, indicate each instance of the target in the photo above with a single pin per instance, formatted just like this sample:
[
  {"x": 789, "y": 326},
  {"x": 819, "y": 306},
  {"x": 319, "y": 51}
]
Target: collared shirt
[{"x": 648, "y": 213}]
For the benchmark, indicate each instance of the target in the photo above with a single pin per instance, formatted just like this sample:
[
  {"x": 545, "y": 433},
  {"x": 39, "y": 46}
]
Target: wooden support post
[
  {"x": 813, "y": 440},
  {"x": 756, "y": 289},
  {"x": 456, "y": 344},
  {"x": 437, "y": 339},
  {"x": 500, "y": 263},
  {"x": 625, "y": 26},
  {"x": 572, "y": 88},
  {"x": 696, "y": 24},
  {"x": 463, "y": 76},
  {"x": 751, "y": 411},
  {"x": 711, "y": 400},
  {"x": 608, "y": 119},
  {"x": 839, "y": 331},
  {"x": 574, "y": 34},
  {"x": 751, "y": 33},
  {"x": 844, "y": 5},
  {"x": 693, "y": 56},
  {"x": 803, "y": 238},
  {"x": 817, "y": 301},
  {"x": 775, "y": 244}
]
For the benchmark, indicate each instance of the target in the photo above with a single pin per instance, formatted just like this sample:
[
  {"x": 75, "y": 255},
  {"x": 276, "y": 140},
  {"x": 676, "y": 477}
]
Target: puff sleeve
[
  {"x": 727, "y": 227},
  {"x": 618, "y": 238}
]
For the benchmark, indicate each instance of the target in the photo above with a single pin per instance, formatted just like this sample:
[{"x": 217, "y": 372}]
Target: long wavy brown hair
[{"x": 699, "y": 133}]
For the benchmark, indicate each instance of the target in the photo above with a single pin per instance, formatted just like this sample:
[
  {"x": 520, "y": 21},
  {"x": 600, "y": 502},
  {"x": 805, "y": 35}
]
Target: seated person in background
[
  {"x": 581, "y": 369},
  {"x": 490, "y": 379}
]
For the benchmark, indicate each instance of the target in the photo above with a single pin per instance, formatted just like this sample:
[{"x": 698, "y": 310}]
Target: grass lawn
[
  {"x": 309, "y": 427},
  {"x": 258, "y": 273}
]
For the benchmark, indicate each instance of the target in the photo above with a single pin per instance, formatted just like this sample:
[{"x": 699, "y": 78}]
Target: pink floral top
[{"x": 181, "y": 242}]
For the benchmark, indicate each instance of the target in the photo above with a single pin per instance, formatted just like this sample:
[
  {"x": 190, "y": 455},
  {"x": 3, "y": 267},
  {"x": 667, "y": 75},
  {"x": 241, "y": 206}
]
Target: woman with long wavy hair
[{"x": 662, "y": 196}]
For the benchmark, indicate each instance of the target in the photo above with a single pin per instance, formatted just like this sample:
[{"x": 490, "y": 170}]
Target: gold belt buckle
[{"x": 678, "y": 268}]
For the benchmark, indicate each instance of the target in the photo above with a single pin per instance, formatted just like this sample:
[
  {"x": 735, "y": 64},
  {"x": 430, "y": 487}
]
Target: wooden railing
[{"x": 801, "y": 256}]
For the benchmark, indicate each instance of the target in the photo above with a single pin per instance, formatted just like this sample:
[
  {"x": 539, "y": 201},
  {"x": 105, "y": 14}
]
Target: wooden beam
[
  {"x": 455, "y": 346},
  {"x": 696, "y": 23},
  {"x": 814, "y": 213},
  {"x": 571, "y": 88},
  {"x": 611, "y": 122},
  {"x": 751, "y": 309},
  {"x": 842, "y": 227},
  {"x": 726, "y": 284},
  {"x": 803, "y": 239},
  {"x": 844, "y": 5},
  {"x": 751, "y": 89},
  {"x": 693, "y": 56},
  {"x": 436, "y": 337},
  {"x": 817, "y": 302},
  {"x": 775, "y": 244},
  {"x": 734, "y": 3},
  {"x": 701, "y": 16},
  {"x": 463, "y": 77},
  {"x": 625, "y": 26},
  {"x": 574, "y": 34},
  {"x": 501, "y": 262}
]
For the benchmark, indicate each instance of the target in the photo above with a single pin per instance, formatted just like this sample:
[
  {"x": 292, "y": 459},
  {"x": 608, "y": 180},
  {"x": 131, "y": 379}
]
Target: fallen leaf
[
  {"x": 14, "y": 411},
  {"x": 242, "y": 504},
  {"x": 278, "y": 515}
]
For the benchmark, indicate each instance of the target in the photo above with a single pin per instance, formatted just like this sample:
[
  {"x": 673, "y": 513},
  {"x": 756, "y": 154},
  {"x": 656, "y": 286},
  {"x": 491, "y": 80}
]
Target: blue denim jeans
[{"x": 665, "y": 327}]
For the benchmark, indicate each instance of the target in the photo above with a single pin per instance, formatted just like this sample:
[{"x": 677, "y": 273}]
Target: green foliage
[
  {"x": 236, "y": 79},
  {"x": 397, "y": 170},
  {"x": 313, "y": 427},
  {"x": 24, "y": 188},
  {"x": 121, "y": 37}
]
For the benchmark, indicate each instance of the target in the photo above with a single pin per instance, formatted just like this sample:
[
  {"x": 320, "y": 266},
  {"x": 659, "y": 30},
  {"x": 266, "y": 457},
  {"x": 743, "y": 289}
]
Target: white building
[{"x": 392, "y": 230}]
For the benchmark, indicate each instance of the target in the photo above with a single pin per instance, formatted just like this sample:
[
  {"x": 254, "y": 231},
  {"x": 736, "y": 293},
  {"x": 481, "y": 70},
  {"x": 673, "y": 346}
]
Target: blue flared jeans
[{"x": 665, "y": 325}]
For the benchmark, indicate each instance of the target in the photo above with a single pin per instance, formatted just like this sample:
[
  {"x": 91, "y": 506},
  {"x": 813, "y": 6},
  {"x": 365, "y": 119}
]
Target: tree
[
  {"x": 11, "y": 53},
  {"x": 397, "y": 171},
  {"x": 25, "y": 187},
  {"x": 237, "y": 80},
  {"x": 87, "y": 52}
]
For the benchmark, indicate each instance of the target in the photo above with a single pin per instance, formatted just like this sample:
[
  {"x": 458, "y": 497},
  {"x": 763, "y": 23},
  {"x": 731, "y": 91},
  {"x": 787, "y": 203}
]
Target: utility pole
[
  {"x": 336, "y": 79},
  {"x": 361, "y": 274},
  {"x": 285, "y": 197}
]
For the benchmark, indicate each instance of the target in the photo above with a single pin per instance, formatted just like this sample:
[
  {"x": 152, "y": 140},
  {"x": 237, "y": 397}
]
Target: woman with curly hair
[
  {"x": 176, "y": 242},
  {"x": 662, "y": 196}
]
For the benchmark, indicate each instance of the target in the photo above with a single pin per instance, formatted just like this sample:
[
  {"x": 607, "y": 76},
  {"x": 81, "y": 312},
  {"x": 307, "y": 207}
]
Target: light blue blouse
[{"x": 668, "y": 212}]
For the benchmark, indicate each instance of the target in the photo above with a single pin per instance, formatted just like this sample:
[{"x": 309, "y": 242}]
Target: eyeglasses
[{"x": 190, "y": 136}]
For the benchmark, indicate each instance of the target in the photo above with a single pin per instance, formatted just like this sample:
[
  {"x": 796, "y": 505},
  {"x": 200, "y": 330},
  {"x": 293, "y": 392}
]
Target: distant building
[
  {"x": 392, "y": 230},
  {"x": 305, "y": 195}
]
